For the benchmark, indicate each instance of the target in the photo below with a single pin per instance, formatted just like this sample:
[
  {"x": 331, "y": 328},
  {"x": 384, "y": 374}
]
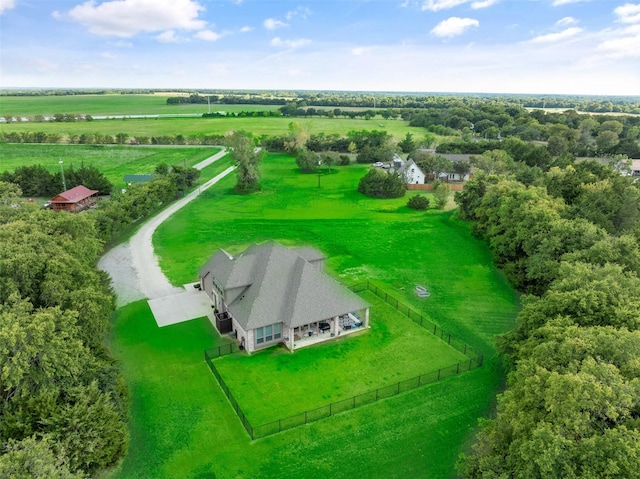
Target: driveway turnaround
[{"x": 176, "y": 308}]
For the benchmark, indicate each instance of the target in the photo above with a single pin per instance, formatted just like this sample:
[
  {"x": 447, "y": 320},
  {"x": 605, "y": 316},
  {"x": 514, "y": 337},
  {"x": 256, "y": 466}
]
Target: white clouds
[
  {"x": 168, "y": 36},
  {"x": 274, "y": 24},
  {"x": 360, "y": 51},
  {"x": 557, "y": 3},
  {"x": 454, "y": 26},
  {"x": 126, "y": 18},
  {"x": 435, "y": 5},
  {"x": 628, "y": 13},
  {"x": 302, "y": 12},
  {"x": 300, "y": 42},
  {"x": 623, "y": 42},
  {"x": 556, "y": 37},
  {"x": 563, "y": 22},
  {"x": 208, "y": 35},
  {"x": 6, "y": 5},
  {"x": 624, "y": 46},
  {"x": 483, "y": 4},
  {"x": 246, "y": 29}
]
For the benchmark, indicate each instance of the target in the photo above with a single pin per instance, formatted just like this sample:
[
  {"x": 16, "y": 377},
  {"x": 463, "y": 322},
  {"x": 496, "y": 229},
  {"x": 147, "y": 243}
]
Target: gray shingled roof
[{"x": 281, "y": 286}]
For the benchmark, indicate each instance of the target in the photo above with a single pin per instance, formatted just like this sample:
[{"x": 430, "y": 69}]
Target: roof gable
[
  {"x": 74, "y": 195},
  {"x": 281, "y": 285}
]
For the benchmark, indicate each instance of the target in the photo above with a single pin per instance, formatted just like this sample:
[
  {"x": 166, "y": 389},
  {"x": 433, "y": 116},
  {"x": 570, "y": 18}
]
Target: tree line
[
  {"x": 36, "y": 180},
  {"x": 569, "y": 238},
  {"x": 64, "y": 405}
]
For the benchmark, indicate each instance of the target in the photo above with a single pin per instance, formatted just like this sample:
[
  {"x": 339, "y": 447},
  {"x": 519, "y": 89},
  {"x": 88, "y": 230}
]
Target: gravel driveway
[{"x": 133, "y": 266}]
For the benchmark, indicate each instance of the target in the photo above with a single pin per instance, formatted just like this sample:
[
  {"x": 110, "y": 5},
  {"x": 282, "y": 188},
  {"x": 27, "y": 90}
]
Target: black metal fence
[
  {"x": 360, "y": 400},
  {"x": 418, "y": 318},
  {"x": 227, "y": 392},
  {"x": 222, "y": 350},
  {"x": 255, "y": 432}
]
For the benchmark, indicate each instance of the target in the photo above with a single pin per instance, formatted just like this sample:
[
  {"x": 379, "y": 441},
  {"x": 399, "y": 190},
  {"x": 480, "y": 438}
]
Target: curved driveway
[{"x": 133, "y": 266}]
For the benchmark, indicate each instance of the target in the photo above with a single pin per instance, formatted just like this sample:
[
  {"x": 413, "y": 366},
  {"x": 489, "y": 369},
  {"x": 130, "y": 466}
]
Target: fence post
[
  {"x": 438, "y": 374},
  {"x": 398, "y": 388},
  {"x": 449, "y": 340},
  {"x": 458, "y": 368},
  {"x": 441, "y": 333},
  {"x": 419, "y": 379},
  {"x": 354, "y": 402},
  {"x": 330, "y": 409},
  {"x": 465, "y": 348},
  {"x": 376, "y": 394},
  {"x": 305, "y": 417},
  {"x": 434, "y": 329},
  {"x": 470, "y": 361},
  {"x": 480, "y": 360}
]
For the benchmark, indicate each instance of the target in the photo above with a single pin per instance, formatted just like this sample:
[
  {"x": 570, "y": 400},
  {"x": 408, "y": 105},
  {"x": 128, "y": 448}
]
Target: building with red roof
[{"x": 74, "y": 200}]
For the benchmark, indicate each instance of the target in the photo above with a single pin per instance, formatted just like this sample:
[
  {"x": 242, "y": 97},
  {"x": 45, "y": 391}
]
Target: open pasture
[
  {"x": 200, "y": 127},
  {"x": 113, "y": 161},
  {"x": 110, "y": 105}
]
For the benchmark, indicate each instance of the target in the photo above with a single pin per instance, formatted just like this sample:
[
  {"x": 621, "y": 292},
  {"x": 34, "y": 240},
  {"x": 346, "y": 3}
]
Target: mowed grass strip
[
  {"x": 113, "y": 161},
  {"x": 182, "y": 425},
  {"x": 274, "y": 384}
]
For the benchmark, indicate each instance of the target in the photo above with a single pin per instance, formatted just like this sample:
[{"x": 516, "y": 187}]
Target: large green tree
[{"x": 247, "y": 158}]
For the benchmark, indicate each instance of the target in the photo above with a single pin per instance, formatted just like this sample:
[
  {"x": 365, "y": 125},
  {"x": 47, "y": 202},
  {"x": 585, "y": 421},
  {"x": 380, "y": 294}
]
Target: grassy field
[
  {"x": 182, "y": 425},
  {"x": 106, "y": 105},
  {"x": 363, "y": 238},
  {"x": 275, "y": 384},
  {"x": 113, "y": 161},
  {"x": 199, "y": 127}
]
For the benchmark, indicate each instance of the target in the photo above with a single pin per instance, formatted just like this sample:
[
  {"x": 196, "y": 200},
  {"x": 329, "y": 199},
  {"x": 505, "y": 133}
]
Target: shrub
[
  {"x": 344, "y": 160},
  {"x": 441, "y": 192},
  {"x": 380, "y": 184},
  {"x": 418, "y": 202}
]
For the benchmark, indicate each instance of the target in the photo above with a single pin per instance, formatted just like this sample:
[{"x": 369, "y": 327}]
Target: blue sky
[{"x": 499, "y": 46}]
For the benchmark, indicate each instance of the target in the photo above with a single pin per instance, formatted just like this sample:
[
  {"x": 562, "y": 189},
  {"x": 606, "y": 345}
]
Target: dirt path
[{"x": 133, "y": 266}]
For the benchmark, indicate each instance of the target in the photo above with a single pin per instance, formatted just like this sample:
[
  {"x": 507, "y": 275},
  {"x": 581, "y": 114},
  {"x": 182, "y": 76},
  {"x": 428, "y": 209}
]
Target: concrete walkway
[{"x": 135, "y": 271}]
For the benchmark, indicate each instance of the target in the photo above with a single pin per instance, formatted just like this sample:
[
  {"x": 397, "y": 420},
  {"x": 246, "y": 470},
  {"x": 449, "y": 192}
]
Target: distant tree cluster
[
  {"x": 571, "y": 241},
  {"x": 63, "y": 403},
  {"x": 37, "y": 181}
]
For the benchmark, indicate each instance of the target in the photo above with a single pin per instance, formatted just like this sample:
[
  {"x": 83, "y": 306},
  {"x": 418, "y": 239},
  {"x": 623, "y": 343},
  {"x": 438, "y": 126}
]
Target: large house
[
  {"x": 74, "y": 200},
  {"x": 271, "y": 294}
]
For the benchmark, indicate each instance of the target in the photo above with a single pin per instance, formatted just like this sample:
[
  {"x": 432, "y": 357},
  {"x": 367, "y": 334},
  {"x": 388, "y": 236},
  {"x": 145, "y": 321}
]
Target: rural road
[{"x": 133, "y": 266}]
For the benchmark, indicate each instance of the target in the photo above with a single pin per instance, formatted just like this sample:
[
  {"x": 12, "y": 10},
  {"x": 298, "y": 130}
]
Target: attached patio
[{"x": 320, "y": 331}]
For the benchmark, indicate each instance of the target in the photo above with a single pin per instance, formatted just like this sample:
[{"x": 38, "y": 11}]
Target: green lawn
[
  {"x": 113, "y": 161},
  {"x": 275, "y": 384},
  {"x": 183, "y": 426},
  {"x": 363, "y": 238}
]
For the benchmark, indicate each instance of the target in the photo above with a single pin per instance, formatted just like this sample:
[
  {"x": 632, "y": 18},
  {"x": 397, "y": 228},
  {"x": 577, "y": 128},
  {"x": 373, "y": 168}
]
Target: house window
[
  {"x": 277, "y": 331},
  {"x": 268, "y": 333}
]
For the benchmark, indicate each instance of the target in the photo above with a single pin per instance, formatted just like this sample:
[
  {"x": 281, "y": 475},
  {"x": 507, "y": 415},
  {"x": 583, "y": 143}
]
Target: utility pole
[{"x": 64, "y": 183}]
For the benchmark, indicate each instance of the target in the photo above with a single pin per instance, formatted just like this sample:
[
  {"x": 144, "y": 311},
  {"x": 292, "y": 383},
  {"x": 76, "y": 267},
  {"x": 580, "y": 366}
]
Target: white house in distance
[
  {"x": 412, "y": 173},
  {"x": 271, "y": 294}
]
